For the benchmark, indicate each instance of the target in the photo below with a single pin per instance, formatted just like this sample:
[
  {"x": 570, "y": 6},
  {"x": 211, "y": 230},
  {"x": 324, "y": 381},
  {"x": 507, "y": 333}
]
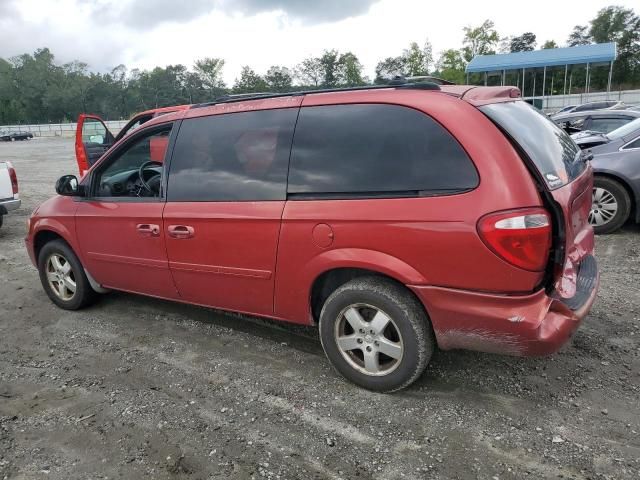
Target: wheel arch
[
  {"x": 49, "y": 234},
  {"x": 41, "y": 238},
  {"x": 328, "y": 281},
  {"x": 46, "y": 229}
]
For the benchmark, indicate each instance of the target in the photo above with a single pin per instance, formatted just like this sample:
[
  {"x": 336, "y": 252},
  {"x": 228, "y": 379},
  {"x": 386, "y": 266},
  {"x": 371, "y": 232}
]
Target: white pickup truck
[{"x": 9, "y": 196}]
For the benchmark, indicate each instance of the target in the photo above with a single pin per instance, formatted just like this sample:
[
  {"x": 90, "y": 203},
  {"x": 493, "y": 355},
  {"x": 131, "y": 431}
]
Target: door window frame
[{"x": 113, "y": 154}]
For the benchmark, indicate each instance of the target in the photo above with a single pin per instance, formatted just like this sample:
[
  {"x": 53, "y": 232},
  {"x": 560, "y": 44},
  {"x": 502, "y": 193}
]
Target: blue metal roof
[{"x": 595, "y": 53}]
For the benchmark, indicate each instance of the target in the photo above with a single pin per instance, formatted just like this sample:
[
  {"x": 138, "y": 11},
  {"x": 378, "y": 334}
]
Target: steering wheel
[{"x": 154, "y": 179}]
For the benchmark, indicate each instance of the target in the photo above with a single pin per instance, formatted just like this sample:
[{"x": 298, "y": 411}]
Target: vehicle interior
[{"x": 137, "y": 171}]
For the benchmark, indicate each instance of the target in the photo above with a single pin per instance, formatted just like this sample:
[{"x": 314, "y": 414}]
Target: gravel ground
[{"x": 140, "y": 388}]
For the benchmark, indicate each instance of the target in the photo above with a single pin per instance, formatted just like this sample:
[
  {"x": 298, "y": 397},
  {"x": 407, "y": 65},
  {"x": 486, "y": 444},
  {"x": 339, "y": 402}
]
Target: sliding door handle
[{"x": 181, "y": 231}]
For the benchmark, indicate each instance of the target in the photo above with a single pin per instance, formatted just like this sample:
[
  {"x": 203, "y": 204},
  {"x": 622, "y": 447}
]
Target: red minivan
[{"x": 396, "y": 218}]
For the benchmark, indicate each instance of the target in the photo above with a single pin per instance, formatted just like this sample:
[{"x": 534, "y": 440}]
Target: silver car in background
[
  {"x": 603, "y": 121},
  {"x": 616, "y": 165}
]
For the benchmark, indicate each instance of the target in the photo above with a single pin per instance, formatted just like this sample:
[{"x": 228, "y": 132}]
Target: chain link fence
[{"x": 58, "y": 129}]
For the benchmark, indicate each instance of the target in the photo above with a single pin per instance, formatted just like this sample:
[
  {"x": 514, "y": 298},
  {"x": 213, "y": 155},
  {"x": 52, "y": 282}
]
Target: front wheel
[
  {"x": 63, "y": 277},
  {"x": 376, "y": 334},
  {"x": 610, "y": 207}
]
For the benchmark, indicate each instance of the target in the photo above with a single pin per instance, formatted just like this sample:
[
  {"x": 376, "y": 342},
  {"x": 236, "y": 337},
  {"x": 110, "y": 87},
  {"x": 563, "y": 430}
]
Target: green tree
[
  {"x": 209, "y": 70},
  {"x": 162, "y": 87},
  {"x": 10, "y": 109},
  {"x": 389, "y": 68},
  {"x": 451, "y": 65},
  {"x": 505, "y": 44},
  {"x": 549, "y": 44},
  {"x": 310, "y": 72},
  {"x": 523, "y": 43},
  {"x": 417, "y": 60},
  {"x": 480, "y": 40},
  {"x": 330, "y": 66},
  {"x": 194, "y": 90},
  {"x": 579, "y": 36},
  {"x": 249, "y": 82},
  {"x": 622, "y": 26},
  {"x": 350, "y": 70},
  {"x": 279, "y": 79}
]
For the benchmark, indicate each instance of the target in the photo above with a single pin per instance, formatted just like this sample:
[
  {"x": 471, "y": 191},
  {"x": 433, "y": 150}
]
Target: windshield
[
  {"x": 625, "y": 130},
  {"x": 554, "y": 153}
]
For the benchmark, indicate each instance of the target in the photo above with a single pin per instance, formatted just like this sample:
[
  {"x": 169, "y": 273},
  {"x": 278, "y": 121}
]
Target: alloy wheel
[
  {"x": 60, "y": 277},
  {"x": 604, "y": 207},
  {"x": 368, "y": 339}
]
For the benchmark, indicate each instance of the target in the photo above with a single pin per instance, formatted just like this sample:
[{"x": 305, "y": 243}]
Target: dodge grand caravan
[{"x": 398, "y": 219}]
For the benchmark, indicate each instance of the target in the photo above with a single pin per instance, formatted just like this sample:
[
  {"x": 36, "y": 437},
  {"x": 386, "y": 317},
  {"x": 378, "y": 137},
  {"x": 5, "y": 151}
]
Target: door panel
[
  {"x": 228, "y": 258},
  {"x": 225, "y": 196},
  {"x": 119, "y": 226},
  {"x": 93, "y": 139},
  {"x": 124, "y": 246}
]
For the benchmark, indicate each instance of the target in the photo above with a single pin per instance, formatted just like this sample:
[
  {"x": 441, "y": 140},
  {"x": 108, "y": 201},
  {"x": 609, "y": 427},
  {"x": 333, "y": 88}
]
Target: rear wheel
[
  {"x": 376, "y": 334},
  {"x": 610, "y": 205},
  {"x": 63, "y": 278}
]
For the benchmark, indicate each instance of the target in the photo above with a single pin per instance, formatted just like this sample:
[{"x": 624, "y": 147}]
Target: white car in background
[{"x": 9, "y": 196}]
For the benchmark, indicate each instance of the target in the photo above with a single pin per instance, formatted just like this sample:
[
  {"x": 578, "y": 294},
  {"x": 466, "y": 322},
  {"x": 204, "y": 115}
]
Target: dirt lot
[{"x": 135, "y": 387}]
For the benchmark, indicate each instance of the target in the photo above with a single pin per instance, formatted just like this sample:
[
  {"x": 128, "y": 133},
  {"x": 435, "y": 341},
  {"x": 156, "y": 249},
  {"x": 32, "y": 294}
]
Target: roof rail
[
  {"x": 429, "y": 78},
  {"x": 397, "y": 82}
]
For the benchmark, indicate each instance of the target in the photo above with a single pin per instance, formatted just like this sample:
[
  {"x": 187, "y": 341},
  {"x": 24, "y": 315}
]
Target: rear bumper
[
  {"x": 528, "y": 325},
  {"x": 7, "y": 206}
]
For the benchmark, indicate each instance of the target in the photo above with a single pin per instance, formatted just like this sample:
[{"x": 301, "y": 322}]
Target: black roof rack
[{"x": 397, "y": 82}]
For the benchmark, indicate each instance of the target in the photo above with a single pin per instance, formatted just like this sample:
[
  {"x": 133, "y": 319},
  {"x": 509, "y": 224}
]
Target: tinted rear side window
[
  {"x": 232, "y": 157},
  {"x": 378, "y": 149},
  {"x": 554, "y": 153}
]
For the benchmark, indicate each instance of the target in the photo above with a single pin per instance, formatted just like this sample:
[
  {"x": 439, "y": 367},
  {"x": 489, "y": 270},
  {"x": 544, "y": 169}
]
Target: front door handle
[
  {"x": 181, "y": 231},
  {"x": 148, "y": 229}
]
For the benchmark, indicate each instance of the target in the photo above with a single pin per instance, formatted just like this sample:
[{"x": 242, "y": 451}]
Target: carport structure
[{"x": 496, "y": 68}]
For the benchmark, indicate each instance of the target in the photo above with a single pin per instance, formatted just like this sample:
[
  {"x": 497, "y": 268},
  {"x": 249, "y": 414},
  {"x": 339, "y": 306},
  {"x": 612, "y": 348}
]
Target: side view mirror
[
  {"x": 96, "y": 139},
  {"x": 68, "y": 186}
]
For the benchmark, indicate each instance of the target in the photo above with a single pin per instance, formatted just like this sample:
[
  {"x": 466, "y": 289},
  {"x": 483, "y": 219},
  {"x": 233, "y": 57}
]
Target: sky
[{"x": 261, "y": 33}]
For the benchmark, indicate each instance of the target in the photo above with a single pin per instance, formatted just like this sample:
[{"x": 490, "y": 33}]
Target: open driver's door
[{"x": 93, "y": 139}]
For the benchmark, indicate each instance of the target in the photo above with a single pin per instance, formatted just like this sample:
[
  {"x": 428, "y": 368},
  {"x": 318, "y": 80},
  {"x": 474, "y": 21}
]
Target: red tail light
[
  {"x": 13, "y": 177},
  {"x": 521, "y": 237}
]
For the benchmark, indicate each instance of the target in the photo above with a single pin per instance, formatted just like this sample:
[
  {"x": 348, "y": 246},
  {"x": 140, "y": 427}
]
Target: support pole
[
  {"x": 544, "y": 83},
  {"x": 564, "y": 85},
  {"x": 570, "y": 79},
  {"x": 609, "y": 82},
  {"x": 467, "y": 78},
  {"x": 485, "y": 79},
  {"x": 533, "y": 93},
  {"x": 504, "y": 76},
  {"x": 586, "y": 81},
  {"x": 523, "y": 94}
]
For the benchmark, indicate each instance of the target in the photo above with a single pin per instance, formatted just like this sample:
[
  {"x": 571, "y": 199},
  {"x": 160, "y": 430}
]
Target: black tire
[
  {"x": 1, "y": 221},
  {"x": 622, "y": 199},
  {"x": 407, "y": 318},
  {"x": 84, "y": 295}
]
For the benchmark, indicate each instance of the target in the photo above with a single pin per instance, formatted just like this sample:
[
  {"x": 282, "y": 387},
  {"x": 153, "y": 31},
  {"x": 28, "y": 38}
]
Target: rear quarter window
[
  {"x": 554, "y": 154},
  {"x": 376, "y": 150}
]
